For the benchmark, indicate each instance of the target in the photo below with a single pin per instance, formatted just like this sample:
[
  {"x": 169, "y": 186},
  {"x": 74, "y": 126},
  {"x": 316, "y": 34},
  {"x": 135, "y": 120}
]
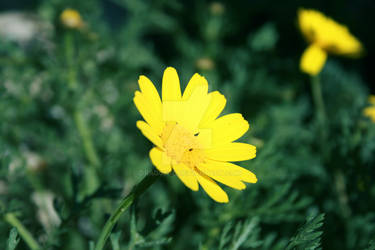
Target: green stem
[
  {"x": 137, "y": 191},
  {"x": 318, "y": 99},
  {"x": 340, "y": 185},
  {"x": 82, "y": 127},
  {"x": 24, "y": 233},
  {"x": 85, "y": 134},
  {"x": 320, "y": 115},
  {"x": 70, "y": 60}
]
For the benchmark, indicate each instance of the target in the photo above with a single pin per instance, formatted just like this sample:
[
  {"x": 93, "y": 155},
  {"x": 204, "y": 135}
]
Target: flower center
[{"x": 181, "y": 145}]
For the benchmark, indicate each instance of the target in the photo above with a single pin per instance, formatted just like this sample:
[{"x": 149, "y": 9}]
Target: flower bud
[{"x": 71, "y": 18}]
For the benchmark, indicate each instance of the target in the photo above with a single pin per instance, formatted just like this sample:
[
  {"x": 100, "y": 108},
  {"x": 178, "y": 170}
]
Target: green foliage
[
  {"x": 371, "y": 245},
  {"x": 155, "y": 237},
  {"x": 308, "y": 236},
  {"x": 244, "y": 234},
  {"x": 265, "y": 38},
  {"x": 115, "y": 240},
  {"x": 13, "y": 239}
]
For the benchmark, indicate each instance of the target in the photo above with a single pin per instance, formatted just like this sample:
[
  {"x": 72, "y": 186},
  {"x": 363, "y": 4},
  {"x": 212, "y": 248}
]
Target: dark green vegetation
[{"x": 70, "y": 150}]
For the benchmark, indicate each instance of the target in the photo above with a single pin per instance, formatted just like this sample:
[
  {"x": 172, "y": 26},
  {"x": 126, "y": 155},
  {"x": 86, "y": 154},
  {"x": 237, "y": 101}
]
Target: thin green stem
[
  {"x": 82, "y": 127},
  {"x": 318, "y": 99},
  {"x": 24, "y": 233},
  {"x": 136, "y": 192},
  {"x": 320, "y": 114},
  {"x": 340, "y": 185},
  {"x": 339, "y": 177},
  {"x": 85, "y": 134},
  {"x": 70, "y": 60}
]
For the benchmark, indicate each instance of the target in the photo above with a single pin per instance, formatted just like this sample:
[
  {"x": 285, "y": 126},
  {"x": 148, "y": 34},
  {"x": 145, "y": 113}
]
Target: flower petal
[
  {"x": 230, "y": 169},
  {"x": 149, "y": 91},
  {"x": 216, "y": 106},
  {"x": 188, "y": 113},
  {"x": 149, "y": 133},
  {"x": 308, "y": 21},
  {"x": 148, "y": 112},
  {"x": 228, "y": 128},
  {"x": 195, "y": 81},
  {"x": 370, "y": 112},
  {"x": 313, "y": 60},
  {"x": 234, "y": 151},
  {"x": 160, "y": 160},
  {"x": 171, "y": 85},
  {"x": 173, "y": 111},
  {"x": 330, "y": 35},
  {"x": 194, "y": 108},
  {"x": 186, "y": 175},
  {"x": 371, "y": 99},
  {"x": 223, "y": 175},
  {"x": 212, "y": 188}
]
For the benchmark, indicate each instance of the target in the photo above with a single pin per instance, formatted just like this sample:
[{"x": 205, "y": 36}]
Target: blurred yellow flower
[
  {"x": 370, "y": 111},
  {"x": 190, "y": 138},
  {"x": 217, "y": 8},
  {"x": 71, "y": 18},
  {"x": 325, "y": 36},
  {"x": 205, "y": 63}
]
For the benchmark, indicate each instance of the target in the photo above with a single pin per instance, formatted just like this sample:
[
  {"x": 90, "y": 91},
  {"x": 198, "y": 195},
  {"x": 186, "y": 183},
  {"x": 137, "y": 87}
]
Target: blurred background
[{"x": 69, "y": 148}]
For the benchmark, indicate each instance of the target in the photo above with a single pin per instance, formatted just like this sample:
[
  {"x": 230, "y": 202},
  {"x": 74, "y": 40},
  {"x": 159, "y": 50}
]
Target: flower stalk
[
  {"x": 91, "y": 175},
  {"x": 85, "y": 134},
  {"x": 318, "y": 99},
  {"x": 79, "y": 120},
  {"x": 320, "y": 113},
  {"x": 136, "y": 192},
  {"x": 69, "y": 57},
  {"x": 22, "y": 230},
  {"x": 339, "y": 177}
]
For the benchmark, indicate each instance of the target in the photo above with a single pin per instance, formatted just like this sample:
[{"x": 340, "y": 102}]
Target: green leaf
[
  {"x": 225, "y": 236},
  {"x": 157, "y": 236},
  {"x": 308, "y": 236},
  {"x": 371, "y": 245},
  {"x": 91, "y": 245},
  {"x": 135, "y": 237},
  {"x": 155, "y": 243},
  {"x": 265, "y": 38},
  {"x": 243, "y": 234},
  {"x": 13, "y": 239},
  {"x": 115, "y": 240}
]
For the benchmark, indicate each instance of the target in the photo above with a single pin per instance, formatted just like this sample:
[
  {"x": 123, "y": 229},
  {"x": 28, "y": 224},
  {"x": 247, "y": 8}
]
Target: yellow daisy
[
  {"x": 325, "y": 36},
  {"x": 71, "y": 18},
  {"x": 370, "y": 111},
  {"x": 190, "y": 138}
]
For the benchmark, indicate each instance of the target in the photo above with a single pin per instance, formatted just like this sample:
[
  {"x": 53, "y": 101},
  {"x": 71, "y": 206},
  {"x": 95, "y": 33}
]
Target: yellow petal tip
[
  {"x": 313, "y": 60},
  {"x": 138, "y": 123},
  {"x": 225, "y": 200},
  {"x": 169, "y": 68},
  {"x": 141, "y": 77}
]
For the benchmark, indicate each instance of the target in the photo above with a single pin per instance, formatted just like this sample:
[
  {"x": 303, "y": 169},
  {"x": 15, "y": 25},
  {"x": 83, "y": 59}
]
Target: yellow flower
[
  {"x": 71, "y": 18},
  {"x": 205, "y": 63},
  {"x": 370, "y": 111},
  {"x": 190, "y": 138},
  {"x": 325, "y": 36}
]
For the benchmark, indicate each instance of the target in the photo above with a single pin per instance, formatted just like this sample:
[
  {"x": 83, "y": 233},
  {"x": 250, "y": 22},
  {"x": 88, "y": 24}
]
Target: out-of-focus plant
[
  {"x": 70, "y": 148},
  {"x": 325, "y": 36}
]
